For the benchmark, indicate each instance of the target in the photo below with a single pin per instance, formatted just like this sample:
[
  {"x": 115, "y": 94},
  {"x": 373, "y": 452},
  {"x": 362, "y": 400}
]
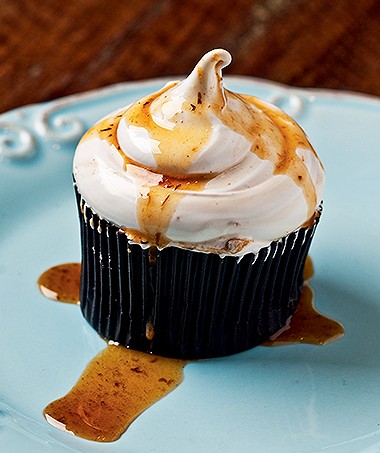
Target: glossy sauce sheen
[
  {"x": 61, "y": 283},
  {"x": 307, "y": 325},
  {"x": 287, "y": 161},
  {"x": 116, "y": 387},
  {"x": 177, "y": 154},
  {"x": 178, "y": 147},
  {"x": 120, "y": 383},
  {"x": 155, "y": 209}
]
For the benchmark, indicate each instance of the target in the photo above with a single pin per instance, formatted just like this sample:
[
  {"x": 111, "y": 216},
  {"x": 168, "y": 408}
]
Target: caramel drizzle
[
  {"x": 155, "y": 210},
  {"x": 285, "y": 136},
  {"x": 177, "y": 152},
  {"x": 177, "y": 147},
  {"x": 289, "y": 162}
]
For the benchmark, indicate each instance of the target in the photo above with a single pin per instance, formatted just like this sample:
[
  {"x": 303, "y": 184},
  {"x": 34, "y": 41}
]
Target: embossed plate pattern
[{"x": 286, "y": 399}]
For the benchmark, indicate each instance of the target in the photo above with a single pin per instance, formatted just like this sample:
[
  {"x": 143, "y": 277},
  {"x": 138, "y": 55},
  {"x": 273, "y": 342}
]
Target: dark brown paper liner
[{"x": 182, "y": 303}]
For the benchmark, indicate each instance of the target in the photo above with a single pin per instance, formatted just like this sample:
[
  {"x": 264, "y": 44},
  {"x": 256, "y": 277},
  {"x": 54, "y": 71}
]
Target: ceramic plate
[{"x": 284, "y": 399}]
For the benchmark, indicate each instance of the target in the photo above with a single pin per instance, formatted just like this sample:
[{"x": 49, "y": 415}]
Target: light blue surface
[{"x": 286, "y": 399}]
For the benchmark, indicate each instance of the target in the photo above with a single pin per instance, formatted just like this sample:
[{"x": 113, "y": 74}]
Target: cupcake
[{"x": 197, "y": 208}]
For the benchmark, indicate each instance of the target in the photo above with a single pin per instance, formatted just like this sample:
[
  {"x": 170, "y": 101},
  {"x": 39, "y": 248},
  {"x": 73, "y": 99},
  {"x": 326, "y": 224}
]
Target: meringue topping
[{"x": 200, "y": 167}]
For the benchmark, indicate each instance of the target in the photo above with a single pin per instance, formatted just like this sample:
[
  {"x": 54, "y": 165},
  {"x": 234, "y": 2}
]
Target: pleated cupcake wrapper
[{"x": 182, "y": 303}]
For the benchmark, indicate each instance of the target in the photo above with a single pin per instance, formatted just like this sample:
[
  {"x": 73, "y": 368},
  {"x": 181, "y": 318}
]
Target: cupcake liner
[{"x": 186, "y": 304}]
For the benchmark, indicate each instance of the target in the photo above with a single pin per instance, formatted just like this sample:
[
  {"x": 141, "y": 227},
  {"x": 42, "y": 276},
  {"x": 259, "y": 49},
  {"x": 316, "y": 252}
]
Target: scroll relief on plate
[
  {"x": 56, "y": 125},
  {"x": 16, "y": 142},
  {"x": 57, "y": 122}
]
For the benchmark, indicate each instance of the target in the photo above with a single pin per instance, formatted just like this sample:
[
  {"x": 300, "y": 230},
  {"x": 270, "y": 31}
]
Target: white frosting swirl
[{"x": 199, "y": 167}]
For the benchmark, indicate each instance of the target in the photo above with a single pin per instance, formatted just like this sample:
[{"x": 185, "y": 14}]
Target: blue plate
[{"x": 286, "y": 399}]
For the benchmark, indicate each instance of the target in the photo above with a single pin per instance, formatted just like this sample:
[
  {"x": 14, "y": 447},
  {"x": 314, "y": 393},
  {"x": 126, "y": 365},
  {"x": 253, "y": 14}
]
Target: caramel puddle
[
  {"x": 307, "y": 325},
  {"x": 61, "y": 283},
  {"x": 120, "y": 383},
  {"x": 116, "y": 386},
  {"x": 114, "y": 389}
]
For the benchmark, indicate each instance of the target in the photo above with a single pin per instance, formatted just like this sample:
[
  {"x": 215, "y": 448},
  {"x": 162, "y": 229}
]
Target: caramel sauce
[
  {"x": 274, "y": 137},
  {"x": 155, "y": 209},
  {"x": 307, "y": 325},
  {"x": 175, "y": 154},
  {"x": 115, "y": 388},
  {"x": 61, "y": 283},
  {"x": 120, "y": 383},
  {"x": 176, "y": 148},
  {"x": 308, "y": 270}
]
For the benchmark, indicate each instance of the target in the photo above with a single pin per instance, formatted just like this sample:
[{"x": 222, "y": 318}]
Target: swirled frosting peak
[
  {"x": 200, "y": 167},
  {"x": 180, "y": 130}
]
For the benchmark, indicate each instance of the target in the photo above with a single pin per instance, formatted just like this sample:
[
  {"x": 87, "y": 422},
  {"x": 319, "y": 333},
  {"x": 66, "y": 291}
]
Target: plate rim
[
  {"x": 336, "y": 93},
  {"x": 235, "y": 79}
]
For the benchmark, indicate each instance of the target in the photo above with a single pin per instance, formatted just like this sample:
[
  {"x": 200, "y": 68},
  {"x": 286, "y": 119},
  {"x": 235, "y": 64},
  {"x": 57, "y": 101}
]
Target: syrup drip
[
  {"x": 120, "y": 383},
  {"x": 307, "y": 325},
  {"x": 285, "y": 158},
  {"x": 61, "y": 283},
  {"x": 115, "y": 388},
  {"x": 308, "y": 270},
  {"x": 155, "y": 209},
  {"x": 274, "y": 136}
]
